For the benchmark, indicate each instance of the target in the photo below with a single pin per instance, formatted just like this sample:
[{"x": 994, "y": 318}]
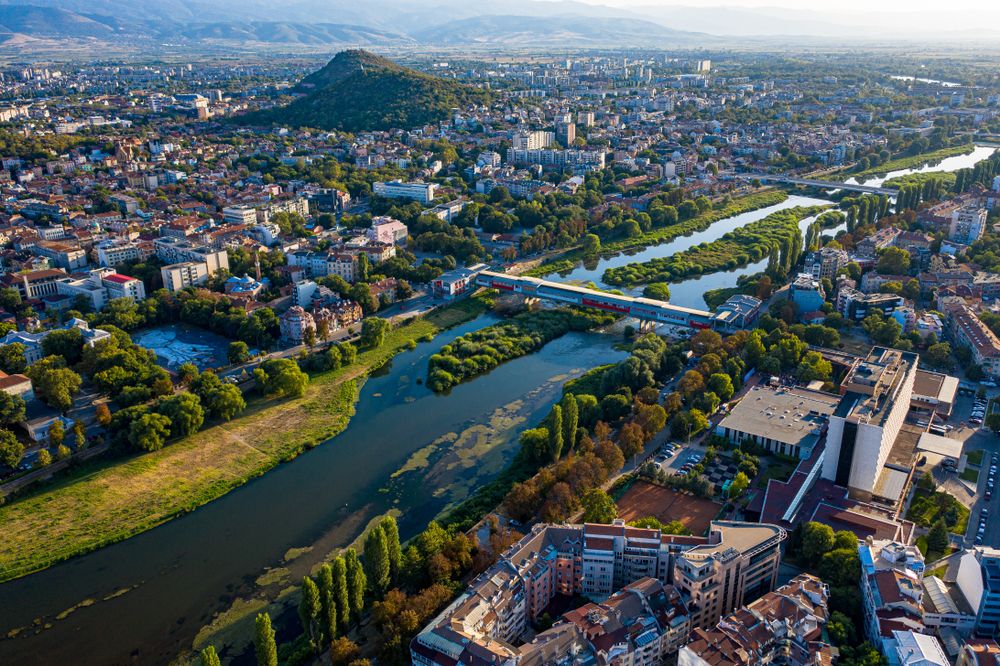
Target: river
[
  {"x": 142, "y": 600},
  {"x": 967, "y": 161}
]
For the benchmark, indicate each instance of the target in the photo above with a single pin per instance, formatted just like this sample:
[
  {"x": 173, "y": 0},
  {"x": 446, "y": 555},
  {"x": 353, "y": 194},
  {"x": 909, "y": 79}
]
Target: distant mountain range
[
  {"x": 358, "y": 90},
  {"x": 523, "y": 23}
]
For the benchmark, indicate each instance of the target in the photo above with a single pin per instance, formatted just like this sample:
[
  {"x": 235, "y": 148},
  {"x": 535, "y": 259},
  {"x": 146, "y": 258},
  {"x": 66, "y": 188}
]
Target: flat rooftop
[
  {"x": 789, "y": 415},
  {"x": 741, "y": 536}
]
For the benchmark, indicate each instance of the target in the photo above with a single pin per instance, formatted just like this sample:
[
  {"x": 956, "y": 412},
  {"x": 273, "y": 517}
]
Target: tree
[
  {"x": 377, "y": 567},
  {"x": 362, "y": 293},
  {"x": 893, "y": 261},
  {"x": 309, "y": 607},
  {"x": 11, "y": 408},
  {"x": 651, "y": 418},
  {"x": 103, "y": 415},
  {"x": 373, "y": 332},
  {"x": 238, "y": 352},
  {"x": 44, "y": 458},
  {"x": 571, "y": 420},
  {"x": 67, "y": 342},
  {"x": 11, "y": 449},
  {"x": 591, "y": 244},
  {"x": 225, "y": 402},
  {"x": 911, "y": 289},
  {"x": 209, "y": 657},
  {"x": 814, "y": 367},
  {"x": 391, "y": 530},
  {"x": 188, "y": 372},
  {"x": 817, "y": 539},
  {"x": 282, "y": 377},
  {"x": 57, "y": 433},
  {"x": 659, "y": 291},
  {"x": 598, "y": 507},
  {"x": 12, "y": 360},
  {"x": 149, "y": 432},
  {"x": 343, "y": 652},
  {"x": 54, "y": 383},
  {"x": 264, "y": 645},
  {"x": 555, "y": 432},
  {"x": 721, "y": 385},
  {"x": 79, "y": 434},
  {"x": 739, "y": 485},
  {"x": 992, "y": 421},
  {"x": 356, "y": 583},
  {"x": 341, "y": 593},
  {"x": 938, "y": 538},
  {"x": 184, "y": 412},
  {"x": 939, "y": 355},
  {"x": 691, "y": 384},
  {"x": 630, "y": 440}
]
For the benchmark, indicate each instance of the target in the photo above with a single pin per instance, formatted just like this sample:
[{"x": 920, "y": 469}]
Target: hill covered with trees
[{"x": 359, "y": 91}]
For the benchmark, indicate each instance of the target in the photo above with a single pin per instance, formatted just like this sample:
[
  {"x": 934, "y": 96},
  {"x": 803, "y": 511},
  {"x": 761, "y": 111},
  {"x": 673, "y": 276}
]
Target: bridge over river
[{"x": 825, "y": 184}]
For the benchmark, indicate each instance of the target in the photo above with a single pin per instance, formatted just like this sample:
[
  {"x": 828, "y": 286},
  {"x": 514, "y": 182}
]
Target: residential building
[
  {"x": 114, "y": 252},
  {"x": 456, "y": 282},
  {"x": 557, "y": 158},
  {"x": 33, "y": 341},
  {"x": 876, "y": 398},
  {"x": 891, "y": 590},
  {"x": 565, "y": 134},
  {"x": 782, "y": 627},
  {"x": 176, "y": 250},
  {"x": 184, "y": 274},
  {"x": 19, "y": 385},
  {"x": 826, "y": 262},
  {"x": 968, "y": 330},
  {"x": 881, "y": 239},
  {"x": 980, "y": 651},
  {"x": 967, "y": 224},
  {"x": 417, "y": 191},
  {"x": 102, "y": 285},
  {"x": 492, "y": 616},
  {"x": 856, "y": 305},
  {"x": 241, "y": 214},
  {"x": 294, "y": 323},
  {"x": 387, "y": 230},
  {"x": 739, "y": 563},
  {"x": 533, "y": 140},
  {"x": 62, "y": 254}
]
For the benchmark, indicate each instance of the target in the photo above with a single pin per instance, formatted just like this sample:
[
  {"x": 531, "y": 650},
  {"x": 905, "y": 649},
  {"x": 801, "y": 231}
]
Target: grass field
[
  {"x": 112, "y": 500},
  {"x": 644, "y": 499},
  {"x": 926, "y": 508},
  {"x": 975, "y": 457},
  {"x": 970, "y": 475}
]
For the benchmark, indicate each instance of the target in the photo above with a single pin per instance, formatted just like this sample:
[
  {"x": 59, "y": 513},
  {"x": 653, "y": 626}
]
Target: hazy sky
[{"x": 822, "y": 5}]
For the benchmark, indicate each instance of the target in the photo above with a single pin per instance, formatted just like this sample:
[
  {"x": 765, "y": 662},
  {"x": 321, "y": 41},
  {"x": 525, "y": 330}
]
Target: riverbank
[
  {"x": 914, "y": 161},
  {"x": 744, "y": 204},
  {"x": 113, "y": 500},
  {"x": 735, "y": 249}
]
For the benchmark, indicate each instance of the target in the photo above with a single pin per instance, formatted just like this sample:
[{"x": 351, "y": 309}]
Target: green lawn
[
  {"x": 975, "y": 457},
  {"x": 970, "y": 474},
  {"x": 113, "y": 500},
  {"x": 927, "y": 507}
]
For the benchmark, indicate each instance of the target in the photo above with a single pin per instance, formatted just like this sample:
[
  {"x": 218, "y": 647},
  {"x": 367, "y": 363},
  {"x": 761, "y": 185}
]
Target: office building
[
  {"x": 782, "y": 627},
  {"x": 100, "y": 286},
  {"x": 417, "y": 191},
  {"x": 979, "y": 580},
  {"x": 784, "y": 420},
  {"x": 184, "y": 274},
  {"x": 876, "y": 398}
]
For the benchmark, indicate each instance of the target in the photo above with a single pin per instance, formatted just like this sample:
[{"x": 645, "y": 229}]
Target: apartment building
[
  {"x": 739, "y": 563},
  {"x": 533, "y": 140},
  {"x": 604, "y": 562},
  {"x": 892, "y": 590},
  {"x": 876, "y": 397},
  {"x": 62, "y": 254},
  {"x": 114, "y": 252},
  {"x": 557, "y": 158},
  {"x": 969, "y": 331},
  {"x": 241, "y": 214},
  {"x": 782, "y": 627},
  {"x": 184, "y": 274},
  {"x": 826, "y": 262},
  {"x": 967, "y": 224},
  {"x": 417, "y": 191},
  {"x": 856, "y": 305},
  {"x": 387, "y": 230},
  {"x": 176, "y": 251}
]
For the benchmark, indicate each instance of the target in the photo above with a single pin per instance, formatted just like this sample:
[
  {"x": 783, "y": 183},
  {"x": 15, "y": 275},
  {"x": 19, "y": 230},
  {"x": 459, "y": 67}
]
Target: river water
[
  {"x": 967, "y": 161},
  {"x": 143, "y": 600}
]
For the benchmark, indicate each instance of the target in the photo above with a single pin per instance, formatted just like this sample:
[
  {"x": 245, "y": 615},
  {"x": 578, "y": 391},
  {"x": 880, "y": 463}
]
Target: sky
[{"x": 819, "y": 5}]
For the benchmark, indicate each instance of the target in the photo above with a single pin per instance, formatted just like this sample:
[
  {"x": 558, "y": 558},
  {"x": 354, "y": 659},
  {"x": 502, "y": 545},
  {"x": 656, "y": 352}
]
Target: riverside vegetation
[
  {"x": 776, "y": 236},
  {"x": 479, "y": 352}
]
